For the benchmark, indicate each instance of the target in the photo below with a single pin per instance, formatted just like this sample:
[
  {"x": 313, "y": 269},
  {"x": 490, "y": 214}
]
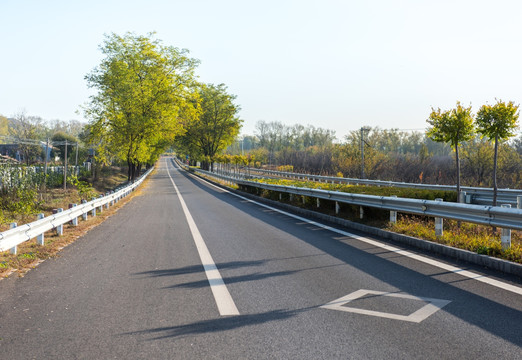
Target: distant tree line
[{"x": 389, "y": 154}]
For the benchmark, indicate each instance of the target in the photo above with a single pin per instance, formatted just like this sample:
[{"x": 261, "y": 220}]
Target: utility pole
[
  {"x": 45, "y": 164},
  {"x": 363, "y": 129},
  {"x": 65, "y": 168},
  {"x": 362, "y": 153},
  {"x": 76, "y": 164}
]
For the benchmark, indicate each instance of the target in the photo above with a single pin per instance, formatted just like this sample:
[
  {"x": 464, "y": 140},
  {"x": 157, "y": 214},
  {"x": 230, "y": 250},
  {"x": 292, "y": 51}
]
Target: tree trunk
[
  {"x": 495, "y": 172},
  {"x": 457, "y": 158},
  {"x": 138, "y": 171},
  {"x": 129, "y": 171}
]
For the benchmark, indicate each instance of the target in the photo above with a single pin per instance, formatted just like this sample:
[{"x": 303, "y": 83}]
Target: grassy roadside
[
  {"x": 448, "y": 196},
  {"x": 30, "y": 254},
  {"x": 476, "y": 238}
]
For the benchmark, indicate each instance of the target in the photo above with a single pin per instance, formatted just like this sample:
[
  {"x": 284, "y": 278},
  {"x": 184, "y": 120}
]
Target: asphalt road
[{"x": 243, "y": 281}]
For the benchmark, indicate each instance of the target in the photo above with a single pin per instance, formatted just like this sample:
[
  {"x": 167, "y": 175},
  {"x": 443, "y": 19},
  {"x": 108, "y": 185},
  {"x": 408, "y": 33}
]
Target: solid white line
[
  {"x": 224, "y": 301},
  {"x": 465, "y": 273}
]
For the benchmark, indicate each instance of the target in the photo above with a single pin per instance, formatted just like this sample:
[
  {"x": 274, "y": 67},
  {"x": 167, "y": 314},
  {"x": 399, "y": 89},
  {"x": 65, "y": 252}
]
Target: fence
[
  {"x": 16, "y": 235},
  {"x": 503, "y": 217},
  {"x": 12, "y": 176}
]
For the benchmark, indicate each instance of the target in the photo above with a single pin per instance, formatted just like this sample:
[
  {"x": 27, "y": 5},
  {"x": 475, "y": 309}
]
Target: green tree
[
  {"x": 59, "y": 139},
  {"x": 215, "y": 125},
  {"x": 142, "y": 86},
  {"x": 498, "y": 122},
  {"x": 3, "y": 126},
  {"x": 452, "y": 126},
  {"x": 28, "y": 132}
]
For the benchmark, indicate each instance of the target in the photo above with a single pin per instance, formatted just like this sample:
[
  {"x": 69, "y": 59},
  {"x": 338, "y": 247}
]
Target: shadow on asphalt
[
  {"x": 225, "y": 266},
  {"x": 474, "y": 309},
  {"x": 199, "y": 268},
  {"x": 219, "y": 324}
]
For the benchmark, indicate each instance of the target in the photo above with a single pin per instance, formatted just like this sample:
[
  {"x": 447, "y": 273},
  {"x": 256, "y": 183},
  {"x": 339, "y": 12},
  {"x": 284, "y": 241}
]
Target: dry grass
[
  {"x": 476, "y": 238},
  {"x": 30, "y": 254}
]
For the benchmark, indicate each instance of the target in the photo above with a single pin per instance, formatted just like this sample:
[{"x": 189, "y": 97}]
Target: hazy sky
[{"x": 335, "y": 64}]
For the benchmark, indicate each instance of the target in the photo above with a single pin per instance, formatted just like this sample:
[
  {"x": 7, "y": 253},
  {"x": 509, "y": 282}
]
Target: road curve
[{"x": 142, "y": 286}]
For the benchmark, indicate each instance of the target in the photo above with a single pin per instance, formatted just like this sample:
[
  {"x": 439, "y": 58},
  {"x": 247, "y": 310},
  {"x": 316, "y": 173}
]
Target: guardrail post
[
  {"x": 304, "y": 200},
  {"x": 519, "y": 202},
  {"x": 93, "y": 212},
  {"x": 14, "y": 249},
  {"x": 462, "y": 197},
  {"x": 101, "y": 206},
  {"x": 59, "y": 228},
  {"x": 291, "y": 197},
  {"x": 74, "y": 221},
  {"x": 505, "y": 234},
  {"x": 108, "y": 203},
  {"x": 318, "y": 202},
  {"x": 40, "y": 238},
  {"x": 337, "y": 208},
  {"x": 280, "y": 196},
  {"x": 393, "y": 214},
  {"x": 84, "y": 215},
  {"x": 439, "y": 223},
  {"x": 361, "y": 212}
]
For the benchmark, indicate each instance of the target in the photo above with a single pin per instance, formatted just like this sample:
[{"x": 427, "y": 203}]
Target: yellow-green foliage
[
  {"x": 475, "y": 238},
  {"x": 285, "y": 168},
  {"x": 368, "y": 190}
]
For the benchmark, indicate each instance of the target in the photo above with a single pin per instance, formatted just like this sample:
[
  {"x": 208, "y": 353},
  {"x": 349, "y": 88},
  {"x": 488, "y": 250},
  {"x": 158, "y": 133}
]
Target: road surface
[{"x": 188, "y": 270}]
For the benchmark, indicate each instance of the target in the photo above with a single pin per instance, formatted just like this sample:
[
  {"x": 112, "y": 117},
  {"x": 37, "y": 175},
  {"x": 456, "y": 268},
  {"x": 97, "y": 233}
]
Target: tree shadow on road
[{"x": 218, "y": 325}]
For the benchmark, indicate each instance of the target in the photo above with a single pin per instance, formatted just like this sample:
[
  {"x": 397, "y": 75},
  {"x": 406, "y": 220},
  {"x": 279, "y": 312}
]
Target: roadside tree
[
  {"x": 28, "y": 131},
  {"x": 452, "y": 126},
  {"x": 214, "y": 126},
  {"x": 142, "y": 85},
  {"x": 497, "y": 122}
]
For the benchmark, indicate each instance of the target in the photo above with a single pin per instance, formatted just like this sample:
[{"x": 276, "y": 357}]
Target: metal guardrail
[
  {"x": 11, "y": 238},
  {"x": 503, "y": 217},
  {"x": 473, "y": 195}
]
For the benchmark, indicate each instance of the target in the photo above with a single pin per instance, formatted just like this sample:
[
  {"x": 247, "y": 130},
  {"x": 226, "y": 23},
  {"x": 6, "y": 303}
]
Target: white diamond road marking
[{"x": 424, "y": 312}]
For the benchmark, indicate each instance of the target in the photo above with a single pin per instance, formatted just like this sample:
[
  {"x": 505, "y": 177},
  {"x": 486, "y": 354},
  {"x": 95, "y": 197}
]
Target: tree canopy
[
  {"x": 497, "y": 122},
  {"x": 142, "y": 90},
  {"x": 452, "y": 126},
  {"x": 214, "y": 126}
]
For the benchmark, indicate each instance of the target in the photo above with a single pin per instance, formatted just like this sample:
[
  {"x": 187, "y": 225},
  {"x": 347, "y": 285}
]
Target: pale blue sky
[{"x": 335, "y": 64}]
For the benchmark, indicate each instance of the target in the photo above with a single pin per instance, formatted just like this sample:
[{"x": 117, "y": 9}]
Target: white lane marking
[
  {"x": 224, "y": 301},
  {"x": 432, "y": 306},
  {"x": 465, "y": 273}
]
